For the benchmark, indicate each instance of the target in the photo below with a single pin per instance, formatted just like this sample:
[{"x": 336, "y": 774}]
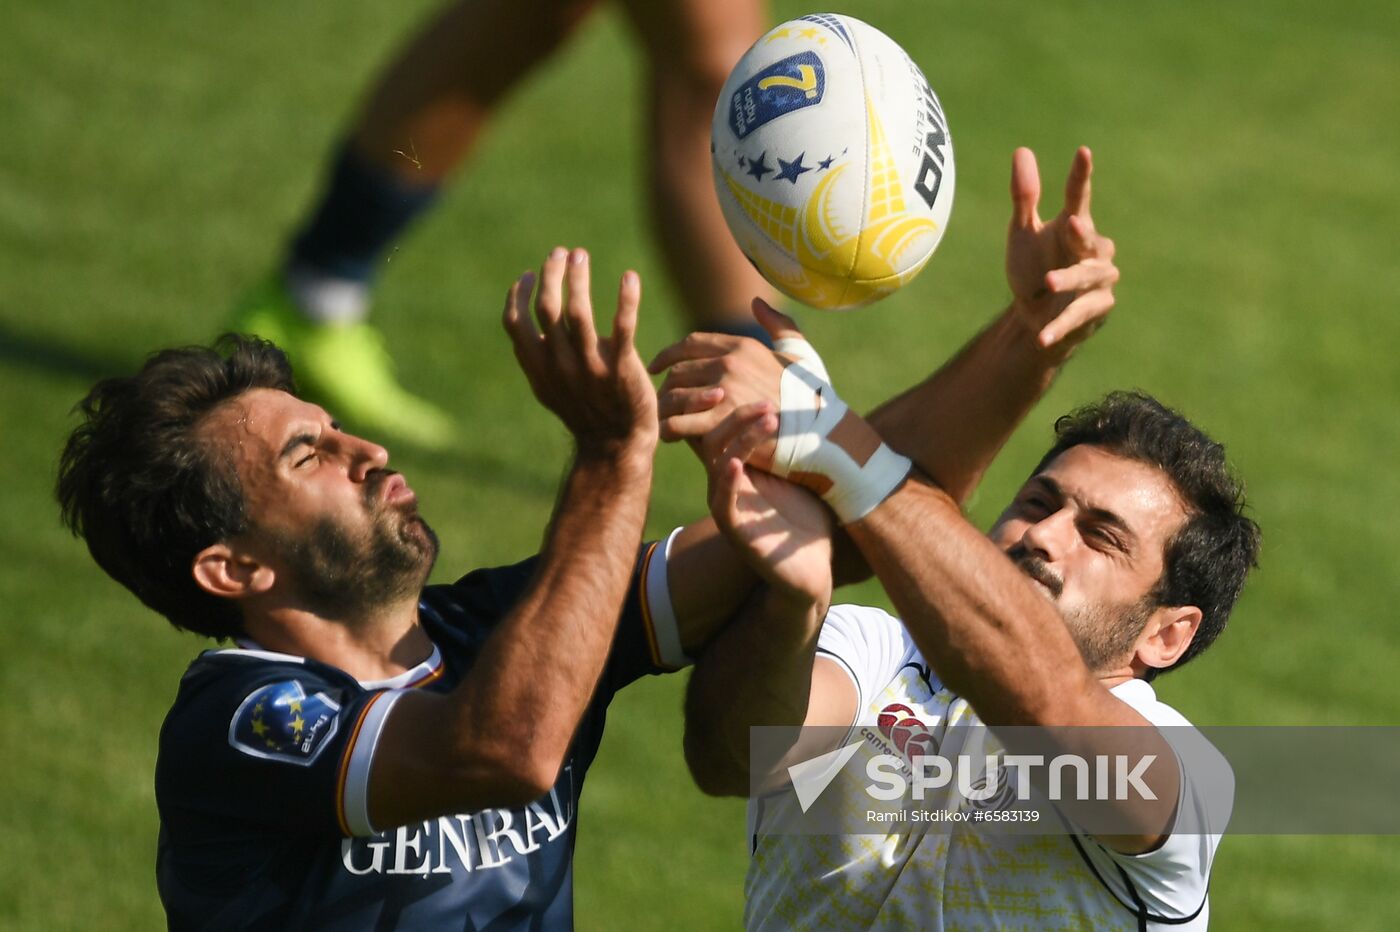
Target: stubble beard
[
  {"x": 1104, "y": 634},
  {"x": 344, "y": 574}
]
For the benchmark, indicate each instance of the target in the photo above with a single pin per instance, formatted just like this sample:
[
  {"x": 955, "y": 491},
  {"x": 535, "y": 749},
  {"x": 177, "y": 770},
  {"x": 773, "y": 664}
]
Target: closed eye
[
  {"x": 295, "y": 445},
  {"x": 1102, "y": 538},
  {"x": 1036, "y": 505}
]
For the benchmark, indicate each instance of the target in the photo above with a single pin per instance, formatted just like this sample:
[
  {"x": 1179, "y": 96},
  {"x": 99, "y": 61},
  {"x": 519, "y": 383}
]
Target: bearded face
[
  {"x": 342, "y": 570},
  {"x": 1105, "y": 634}
]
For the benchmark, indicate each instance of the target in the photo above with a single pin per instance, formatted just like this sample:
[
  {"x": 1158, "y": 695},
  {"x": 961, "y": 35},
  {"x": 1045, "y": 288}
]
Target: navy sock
[
  {"x": 363, "y": 209},
  {"x": 748, "y": 328}
]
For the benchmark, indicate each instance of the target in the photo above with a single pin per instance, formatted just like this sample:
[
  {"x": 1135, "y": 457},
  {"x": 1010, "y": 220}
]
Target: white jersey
[{"x": 914, "y": 878}]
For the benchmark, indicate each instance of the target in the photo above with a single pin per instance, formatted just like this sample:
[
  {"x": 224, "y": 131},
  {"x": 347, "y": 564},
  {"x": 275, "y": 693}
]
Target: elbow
[
  {"x": 717, "y": 765},
  {"x": 501, "y": 776},
  {"x": 532, "y": 774},
  {"x": 525, "y": 757},
  {"x": 713, "y": 774},
  {"x": 534, "y": 778}
]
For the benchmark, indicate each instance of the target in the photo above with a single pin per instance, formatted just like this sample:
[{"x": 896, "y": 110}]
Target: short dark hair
[
  {"x": 147, "y": 491},
  {"x": 1208, "y": 558}
]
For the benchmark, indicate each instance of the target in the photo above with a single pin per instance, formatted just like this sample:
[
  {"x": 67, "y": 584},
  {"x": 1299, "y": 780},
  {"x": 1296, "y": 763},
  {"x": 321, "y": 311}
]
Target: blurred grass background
[{"x": 155, "y": 155}]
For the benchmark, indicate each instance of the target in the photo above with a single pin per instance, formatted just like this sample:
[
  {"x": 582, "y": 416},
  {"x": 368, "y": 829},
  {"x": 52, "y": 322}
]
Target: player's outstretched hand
[
  {"x": 598, "y": 386},
  {"x": 712, "y": 376},
  {"x": 1061, "y": 272},
  {"x": 820, "y": 443},
  {"x": 782, "y": 530}
]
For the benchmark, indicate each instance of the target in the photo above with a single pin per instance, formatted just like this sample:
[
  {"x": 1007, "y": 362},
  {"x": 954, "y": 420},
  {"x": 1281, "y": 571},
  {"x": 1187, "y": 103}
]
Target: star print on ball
[
  {"x": 789, "y": 171},
  {"x": 281, "y": 722},
  {"x": 759, "y": 167},
  {"x": 832, "y": 161}
]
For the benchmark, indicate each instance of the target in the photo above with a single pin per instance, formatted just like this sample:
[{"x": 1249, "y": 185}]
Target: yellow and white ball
[{"x": 832, "y": 161}]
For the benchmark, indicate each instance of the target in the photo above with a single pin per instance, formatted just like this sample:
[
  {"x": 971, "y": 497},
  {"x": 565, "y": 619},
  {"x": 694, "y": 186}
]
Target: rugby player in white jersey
[{"x": 1120, "y": 557}]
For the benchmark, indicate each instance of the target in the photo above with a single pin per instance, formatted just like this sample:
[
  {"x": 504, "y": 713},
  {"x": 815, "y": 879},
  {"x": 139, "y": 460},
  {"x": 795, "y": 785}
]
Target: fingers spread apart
[
  {"x": 695, "y": 346},
  {"x": 578, "y": 312},
  {"x": 779, "y": 325},
  {"x": 1084, "y": 315},
  {"x": 749, "y": 428},
  {"x": 1025, "y": 190},
  {"x": 1082, "y": 276},
  {"x": 549, "y": 301},
  {"x": 523, "y": 336},
  {"x": 629, "y": 301},
  {"x": 1077, "y": 186}
]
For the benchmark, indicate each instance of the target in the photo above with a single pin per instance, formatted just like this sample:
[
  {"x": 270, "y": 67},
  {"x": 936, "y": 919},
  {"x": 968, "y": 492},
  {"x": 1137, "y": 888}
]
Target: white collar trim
[{"x": 249, "y": 648}]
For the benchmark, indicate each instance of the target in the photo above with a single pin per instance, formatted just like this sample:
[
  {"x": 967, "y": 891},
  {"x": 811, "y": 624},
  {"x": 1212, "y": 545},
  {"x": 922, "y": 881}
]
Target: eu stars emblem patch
[
  {"x": 796, "y": 82},
  {"x": 281, "y": 722}
]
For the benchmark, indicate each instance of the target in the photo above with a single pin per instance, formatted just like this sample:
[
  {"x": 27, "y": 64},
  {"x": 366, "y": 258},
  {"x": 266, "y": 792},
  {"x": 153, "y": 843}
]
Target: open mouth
[
  {"x": 390, "y": 488},
  {"x": 396, "y": 490}
]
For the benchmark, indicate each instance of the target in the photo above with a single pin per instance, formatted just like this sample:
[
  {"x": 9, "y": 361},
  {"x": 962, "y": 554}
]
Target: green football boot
[{"x": 345, "y": 368}]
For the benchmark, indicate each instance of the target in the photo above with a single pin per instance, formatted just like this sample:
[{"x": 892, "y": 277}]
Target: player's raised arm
[
  {"x": 951, "y": 425},
  {"x": 1061, "y": 274},
  {"x": 980, "y": 620},
  {"x": 759, "y": 670},
  {"x": 501, "y": 736},
  {"x": 995, "y": 640}
]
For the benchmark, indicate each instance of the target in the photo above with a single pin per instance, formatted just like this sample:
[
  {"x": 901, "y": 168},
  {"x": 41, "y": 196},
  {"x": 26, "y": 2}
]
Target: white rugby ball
[{"x": 832, "y": 161}]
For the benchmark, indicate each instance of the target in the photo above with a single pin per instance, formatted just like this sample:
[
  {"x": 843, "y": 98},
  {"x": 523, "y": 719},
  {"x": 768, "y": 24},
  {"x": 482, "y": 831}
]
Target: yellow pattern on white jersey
[{"x": 941, "y": 877}]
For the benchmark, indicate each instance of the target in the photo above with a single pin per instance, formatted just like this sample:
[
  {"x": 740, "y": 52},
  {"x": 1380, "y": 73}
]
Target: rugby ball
[{"x": 832, "y": 161}]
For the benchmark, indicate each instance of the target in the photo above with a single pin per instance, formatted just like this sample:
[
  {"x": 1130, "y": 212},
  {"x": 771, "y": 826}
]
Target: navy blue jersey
[{"x": 263, "y": 769}]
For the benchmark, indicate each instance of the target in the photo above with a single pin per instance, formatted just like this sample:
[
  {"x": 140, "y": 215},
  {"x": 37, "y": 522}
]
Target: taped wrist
[{"x": 826, "y": 447}]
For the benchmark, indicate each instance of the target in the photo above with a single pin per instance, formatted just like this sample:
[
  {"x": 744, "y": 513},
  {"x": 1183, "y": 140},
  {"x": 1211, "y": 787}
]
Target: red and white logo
[{"x": 908, "y": 733}]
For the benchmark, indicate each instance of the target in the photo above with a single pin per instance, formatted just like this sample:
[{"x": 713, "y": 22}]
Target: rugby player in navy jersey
[{"x": 373, "y": 753}]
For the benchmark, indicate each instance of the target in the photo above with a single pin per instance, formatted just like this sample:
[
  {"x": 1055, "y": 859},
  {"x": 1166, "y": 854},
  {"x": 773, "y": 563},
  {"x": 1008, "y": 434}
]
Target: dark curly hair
[
  {"x": 1208, "y": 558},
  {"x": 146, "y": 491}
]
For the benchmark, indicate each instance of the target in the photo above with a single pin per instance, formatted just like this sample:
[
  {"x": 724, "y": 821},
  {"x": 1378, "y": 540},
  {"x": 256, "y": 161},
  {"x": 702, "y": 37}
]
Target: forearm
[
  {"x": 953, "y": 424},
  {"x": 996, "y": 641},
  {"x": 539, "y": 669},
  {"x": 757, "y": 671},
  {"x": 992, "y": 638},
  {"x": 502, "y": 735},
  {"x": 708, "y": 581}
]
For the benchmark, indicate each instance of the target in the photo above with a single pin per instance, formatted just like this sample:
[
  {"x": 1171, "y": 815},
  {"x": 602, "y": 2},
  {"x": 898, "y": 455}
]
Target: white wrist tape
[{"x": 825, "y": 446}]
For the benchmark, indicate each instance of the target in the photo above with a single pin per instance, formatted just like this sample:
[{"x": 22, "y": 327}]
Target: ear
[
  {"x": 1167, "y": 635},
  {"x": 230, "y": 572}
]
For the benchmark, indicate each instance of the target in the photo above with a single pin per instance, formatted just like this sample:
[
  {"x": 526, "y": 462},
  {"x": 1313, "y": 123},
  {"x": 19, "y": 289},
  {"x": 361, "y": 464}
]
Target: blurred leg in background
[
  {"x": 421, "y": 121},
  {"x": 691, "y": 46}
]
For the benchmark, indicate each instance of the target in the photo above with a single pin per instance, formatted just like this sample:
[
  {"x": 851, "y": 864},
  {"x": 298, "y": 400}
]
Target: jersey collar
[
  {"x": 422, "y": 674},
  {"x": 1135, "y": 691}
]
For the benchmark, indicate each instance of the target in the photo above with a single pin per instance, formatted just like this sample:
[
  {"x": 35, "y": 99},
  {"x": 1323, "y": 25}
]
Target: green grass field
[{"x": 154, "y": 156}]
